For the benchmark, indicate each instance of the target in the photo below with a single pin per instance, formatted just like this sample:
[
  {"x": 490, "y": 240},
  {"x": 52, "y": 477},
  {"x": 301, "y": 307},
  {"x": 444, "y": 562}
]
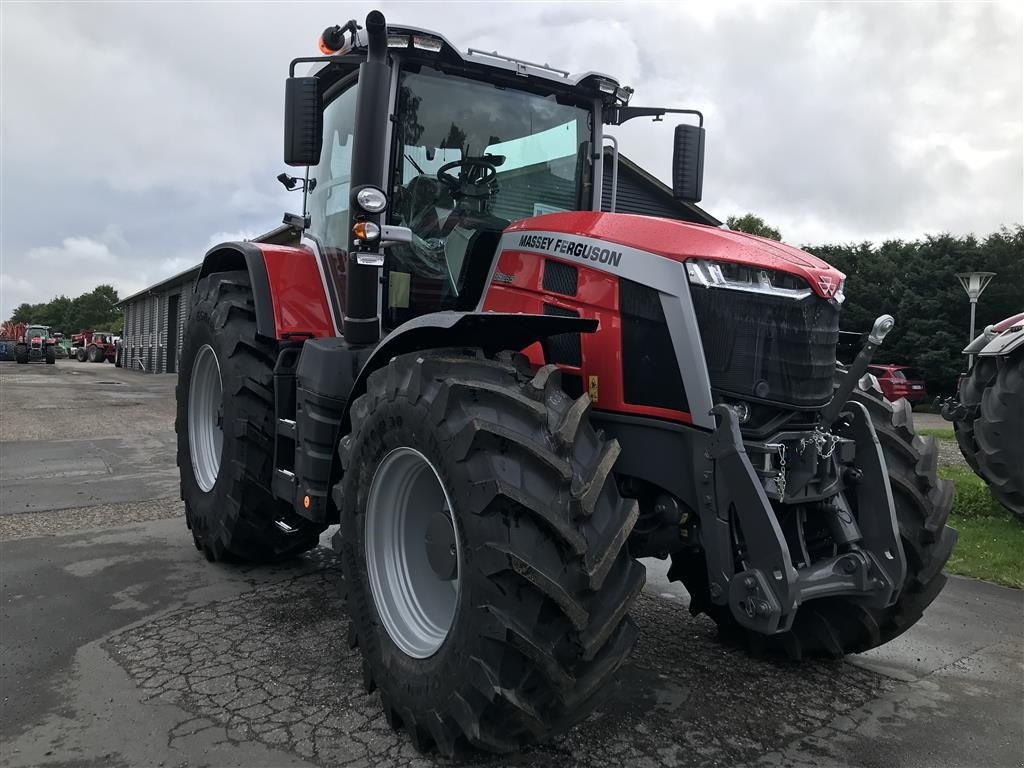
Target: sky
[{"x": 135, "y": 135}]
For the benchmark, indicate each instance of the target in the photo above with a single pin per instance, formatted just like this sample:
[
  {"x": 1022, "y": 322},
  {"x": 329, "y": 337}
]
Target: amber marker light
[{"x": 365, "y": 230}]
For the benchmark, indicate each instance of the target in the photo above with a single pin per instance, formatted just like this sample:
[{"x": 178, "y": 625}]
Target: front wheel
[
  {"x": 225, "y": 427},
  {"x": 21, "y": 354},
  {"x": 81, "y": 354},
  {"x": 51, "y": 355},
  {"x": 483, "y": 542},
  {"x": 836, "y": 626}
]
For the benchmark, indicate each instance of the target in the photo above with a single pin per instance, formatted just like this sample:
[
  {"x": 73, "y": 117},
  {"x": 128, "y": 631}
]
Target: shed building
[
  {"x": 154, "y": 324},
  {"x": 154, "y": 319}
]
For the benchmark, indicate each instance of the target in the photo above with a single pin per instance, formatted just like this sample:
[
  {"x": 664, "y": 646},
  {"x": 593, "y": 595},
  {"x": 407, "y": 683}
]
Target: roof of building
[{"x": 188, "y": 275}]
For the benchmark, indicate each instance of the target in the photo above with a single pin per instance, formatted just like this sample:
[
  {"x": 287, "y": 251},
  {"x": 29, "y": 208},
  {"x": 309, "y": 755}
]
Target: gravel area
[{"x": 29, "y": 524}]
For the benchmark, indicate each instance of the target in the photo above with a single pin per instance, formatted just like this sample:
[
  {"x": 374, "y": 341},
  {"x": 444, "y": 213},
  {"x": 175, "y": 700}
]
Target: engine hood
[{"x": 681, "y": 241}]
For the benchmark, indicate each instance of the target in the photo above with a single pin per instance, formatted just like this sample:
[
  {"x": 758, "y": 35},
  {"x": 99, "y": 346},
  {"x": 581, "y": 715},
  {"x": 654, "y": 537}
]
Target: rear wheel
[
  {"x": 225, "y": 427},
  {"x": 484, "y": 547},
  {"x": 21, "y": 354},
  {"x": 990, "y": 436},
  {"x": 81, "y": 354},
  {"x": 836, "y": 626},
  {"x": 51, "y": 355}
]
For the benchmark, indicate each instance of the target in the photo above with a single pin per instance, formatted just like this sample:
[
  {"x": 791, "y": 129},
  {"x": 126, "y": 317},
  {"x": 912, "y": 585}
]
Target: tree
[
  {"x": 753, "y": 225},
  {"x": 95, "y": 309}
]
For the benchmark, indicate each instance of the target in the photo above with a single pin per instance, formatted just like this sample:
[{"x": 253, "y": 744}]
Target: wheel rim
[
  {"x": 205, "y": 436},
  {"x": 413, "y": 555}
]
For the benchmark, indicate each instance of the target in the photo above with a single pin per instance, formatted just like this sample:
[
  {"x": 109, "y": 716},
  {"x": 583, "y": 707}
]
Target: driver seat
[{"x": 424, "y": 194}]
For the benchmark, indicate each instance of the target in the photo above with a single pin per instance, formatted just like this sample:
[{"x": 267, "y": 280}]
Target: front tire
[
  {"x": 51, "y": 356},
  {"x": 81, "y": 354},
  {"x": 832, "y": 627},
  {"x": 538, "y": 564},
  {"x": 225, "y": 427},
  {"x": 21, "y": 354}
]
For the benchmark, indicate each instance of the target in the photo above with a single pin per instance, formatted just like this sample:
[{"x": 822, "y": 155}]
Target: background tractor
[
  {"x": 988, "y": 412},
  {"x": 94, "y": 346},
  {"x": 507, "y": 397},
  {"x": 9, "y": 335},
  {"x": 35, "y": 344}
]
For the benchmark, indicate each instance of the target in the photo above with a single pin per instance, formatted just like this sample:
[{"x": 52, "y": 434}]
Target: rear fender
[{"x": 287, "y": 289}]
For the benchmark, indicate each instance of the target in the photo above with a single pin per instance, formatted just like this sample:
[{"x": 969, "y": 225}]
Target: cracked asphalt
[{"x": 121, "y": 646}]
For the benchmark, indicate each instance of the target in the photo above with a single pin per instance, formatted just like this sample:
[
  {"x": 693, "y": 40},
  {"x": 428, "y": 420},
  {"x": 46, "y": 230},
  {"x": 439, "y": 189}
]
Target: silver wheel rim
[
  {"x": 415, "y": 603},
  {"x": 205, "y": 436}
]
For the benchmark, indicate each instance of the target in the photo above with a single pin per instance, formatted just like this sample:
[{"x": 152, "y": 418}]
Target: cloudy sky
[{"x": 134, "y": 135}]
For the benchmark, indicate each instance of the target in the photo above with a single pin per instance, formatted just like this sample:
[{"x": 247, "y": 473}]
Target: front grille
[
  {"x": 767, "y": 347},
  {"x": 650, "y": 370}
]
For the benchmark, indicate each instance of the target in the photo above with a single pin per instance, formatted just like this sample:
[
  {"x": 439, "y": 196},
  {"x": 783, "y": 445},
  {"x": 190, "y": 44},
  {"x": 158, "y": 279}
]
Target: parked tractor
[
  {"x": 63, "y": 346},
  {"x": 505, "y": 411},
  {"x": 35, "y": 344},
  {"x": 94, "y": 346},
  {"x": 9, "y": 335},
  {"x": 988, "y": 412}
]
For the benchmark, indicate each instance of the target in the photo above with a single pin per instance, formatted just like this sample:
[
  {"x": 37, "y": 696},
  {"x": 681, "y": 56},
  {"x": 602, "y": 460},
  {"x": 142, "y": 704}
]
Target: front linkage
[{"x": 763, "y": 587}]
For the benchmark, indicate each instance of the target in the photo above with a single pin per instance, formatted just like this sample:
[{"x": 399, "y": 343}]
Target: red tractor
[
  {"x": 504, "y": 411},
  {"x": 94, "y": 346}
]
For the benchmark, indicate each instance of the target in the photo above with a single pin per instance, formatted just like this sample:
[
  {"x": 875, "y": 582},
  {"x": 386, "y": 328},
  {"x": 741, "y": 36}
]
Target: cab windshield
[{"x": 470, "y": 158}]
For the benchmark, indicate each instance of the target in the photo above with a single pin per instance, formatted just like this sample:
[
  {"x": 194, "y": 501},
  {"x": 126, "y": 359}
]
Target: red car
[{"x": 900, "y": 381}]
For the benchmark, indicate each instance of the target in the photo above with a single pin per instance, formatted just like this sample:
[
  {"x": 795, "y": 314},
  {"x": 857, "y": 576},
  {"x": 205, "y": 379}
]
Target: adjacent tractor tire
[
  {"x": 94, "y": 354},
  {"x": 832, "y": 627},
  {"x": 51, "y": 355},
  {"x": 225, "y": 427},
  {"x": 21, "y": 354},
  {"x": 991, "y": 436},
  {"x": 81, "y": 354},
  {"x": 477, "y": 475}
]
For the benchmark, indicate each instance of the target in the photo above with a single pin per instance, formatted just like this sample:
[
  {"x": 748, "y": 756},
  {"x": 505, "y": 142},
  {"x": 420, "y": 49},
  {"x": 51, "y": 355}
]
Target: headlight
[
  {"x": 739, "y": 277},
  {"x": 371, "y": 200}
]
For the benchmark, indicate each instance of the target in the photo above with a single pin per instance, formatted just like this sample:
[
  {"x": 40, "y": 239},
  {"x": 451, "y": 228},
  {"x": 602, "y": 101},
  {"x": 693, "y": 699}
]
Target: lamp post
[{"x": 974, "y": 283}]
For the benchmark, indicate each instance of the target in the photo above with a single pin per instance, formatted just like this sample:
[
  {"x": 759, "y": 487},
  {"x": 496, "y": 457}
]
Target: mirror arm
[{"x": 619, "y": 115}]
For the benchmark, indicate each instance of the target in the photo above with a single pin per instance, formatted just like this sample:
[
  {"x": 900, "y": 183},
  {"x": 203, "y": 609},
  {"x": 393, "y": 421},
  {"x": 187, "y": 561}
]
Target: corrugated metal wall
[{"x": 146, "y": 336}]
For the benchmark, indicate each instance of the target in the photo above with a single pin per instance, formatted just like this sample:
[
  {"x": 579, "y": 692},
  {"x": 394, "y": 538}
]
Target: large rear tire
[
  {"x": 991, "y": 436},
  {"x": 835, "y": 626},
  {"x": 21, "y": 354},
  {"x": 535, "y": 621},
  {"x": 225, "y": 426},
  {"x": 81, "y": 354}
]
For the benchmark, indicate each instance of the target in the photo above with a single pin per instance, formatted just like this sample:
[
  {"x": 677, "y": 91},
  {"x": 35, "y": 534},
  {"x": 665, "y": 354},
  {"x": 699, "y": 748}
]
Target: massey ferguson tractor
[
  {"x": 988, "y": 412},
  {"x": 506, "y": 397},
  {"x": 36, "y": 345}
]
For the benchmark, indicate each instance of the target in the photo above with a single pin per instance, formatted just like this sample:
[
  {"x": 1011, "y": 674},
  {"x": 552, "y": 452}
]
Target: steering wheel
[{"x": 477, "y": 178}]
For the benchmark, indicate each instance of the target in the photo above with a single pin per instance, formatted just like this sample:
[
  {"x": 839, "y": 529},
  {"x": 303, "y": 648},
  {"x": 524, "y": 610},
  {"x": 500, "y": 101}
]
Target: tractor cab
[{"x": 470, "y": 143}]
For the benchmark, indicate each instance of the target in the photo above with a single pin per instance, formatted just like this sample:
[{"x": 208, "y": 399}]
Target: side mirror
[
  {"x": 303, "y": 121},
  {"x": 688, "y": 163}
]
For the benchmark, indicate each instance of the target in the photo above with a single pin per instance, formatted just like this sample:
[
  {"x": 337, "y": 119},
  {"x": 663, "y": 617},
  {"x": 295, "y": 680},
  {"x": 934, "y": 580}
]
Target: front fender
[
  {"x": 288, "y": 292},
  {"x": 490, "y": 331}
]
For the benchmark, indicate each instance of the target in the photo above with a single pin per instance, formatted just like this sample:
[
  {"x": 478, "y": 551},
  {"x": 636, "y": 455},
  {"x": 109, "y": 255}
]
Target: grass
[
  {"x": 938, "y": 433},
  {"x": 991, "y": 543}
]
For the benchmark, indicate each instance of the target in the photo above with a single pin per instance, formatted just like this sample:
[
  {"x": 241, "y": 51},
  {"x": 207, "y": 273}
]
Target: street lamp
[{"x": 974, "y": 283}]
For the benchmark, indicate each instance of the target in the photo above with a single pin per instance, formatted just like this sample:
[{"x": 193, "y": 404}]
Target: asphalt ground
[{"x": 121, "y": 646}]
